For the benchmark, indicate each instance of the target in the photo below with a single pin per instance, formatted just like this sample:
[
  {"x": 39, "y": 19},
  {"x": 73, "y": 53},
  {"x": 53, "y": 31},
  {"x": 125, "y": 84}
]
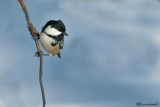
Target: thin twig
[
  {"x": 40, "y": 79},
  {"x": 35, "y": 35}
]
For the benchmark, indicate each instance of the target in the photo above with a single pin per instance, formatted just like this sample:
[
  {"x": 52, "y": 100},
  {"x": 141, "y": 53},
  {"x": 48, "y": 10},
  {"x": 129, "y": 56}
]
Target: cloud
[
  {"x": 113, "y": 47},
  {"x": 2, "y": 103}
]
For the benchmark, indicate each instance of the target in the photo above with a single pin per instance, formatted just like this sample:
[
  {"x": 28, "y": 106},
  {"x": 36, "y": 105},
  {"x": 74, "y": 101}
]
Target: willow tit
[{"x": 52, "y": 37}]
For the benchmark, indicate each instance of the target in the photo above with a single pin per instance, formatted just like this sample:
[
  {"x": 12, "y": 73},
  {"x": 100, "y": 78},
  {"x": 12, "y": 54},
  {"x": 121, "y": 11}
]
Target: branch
[
  {"x": 31, "y": 28},
  {"x": 39, "y": 53},
  {"x": 40, "y": 79}
]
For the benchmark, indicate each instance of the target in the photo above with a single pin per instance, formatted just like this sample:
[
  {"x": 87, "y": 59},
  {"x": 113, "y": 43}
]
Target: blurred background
[{"x": 110, "y": 59}]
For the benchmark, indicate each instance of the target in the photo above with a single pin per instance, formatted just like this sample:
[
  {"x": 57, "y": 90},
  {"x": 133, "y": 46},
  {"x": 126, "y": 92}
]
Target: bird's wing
[{"x": 61, "y": 43}]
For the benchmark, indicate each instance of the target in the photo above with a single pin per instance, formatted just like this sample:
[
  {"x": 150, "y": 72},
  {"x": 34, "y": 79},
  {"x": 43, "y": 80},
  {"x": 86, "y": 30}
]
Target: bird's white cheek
[
  {"x": 55, "y": 31},
  {"x": 52, "y": 31}
]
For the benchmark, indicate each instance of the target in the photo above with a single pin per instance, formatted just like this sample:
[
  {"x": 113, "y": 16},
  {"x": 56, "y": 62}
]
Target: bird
[{"x": 52, "y": 37}]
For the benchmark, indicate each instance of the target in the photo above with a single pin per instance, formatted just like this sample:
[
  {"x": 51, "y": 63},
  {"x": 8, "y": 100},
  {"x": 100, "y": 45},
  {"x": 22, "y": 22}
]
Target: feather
[{"x": 59, "y": 55}]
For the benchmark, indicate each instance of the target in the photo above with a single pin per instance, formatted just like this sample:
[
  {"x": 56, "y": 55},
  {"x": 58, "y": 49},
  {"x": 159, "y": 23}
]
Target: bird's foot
[
  {"x": 37, "y": 54},
  {"x": 45, "y": 54}
]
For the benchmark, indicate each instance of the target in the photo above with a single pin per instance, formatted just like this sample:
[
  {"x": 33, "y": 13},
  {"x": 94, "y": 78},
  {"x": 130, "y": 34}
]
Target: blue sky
[{"x": 110, "y": 59}]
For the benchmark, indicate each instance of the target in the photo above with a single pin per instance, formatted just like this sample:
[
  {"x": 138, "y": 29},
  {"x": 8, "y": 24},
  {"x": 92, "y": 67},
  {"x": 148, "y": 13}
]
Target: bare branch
[
  {"x": 35, "y": 35},
  {"x": 25, "y": 11},
  {"x": 40, "y": 79}
]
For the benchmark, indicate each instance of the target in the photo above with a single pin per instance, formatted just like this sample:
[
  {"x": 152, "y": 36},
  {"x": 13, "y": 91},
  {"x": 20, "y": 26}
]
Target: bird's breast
[{"x": 46, "y": 44}]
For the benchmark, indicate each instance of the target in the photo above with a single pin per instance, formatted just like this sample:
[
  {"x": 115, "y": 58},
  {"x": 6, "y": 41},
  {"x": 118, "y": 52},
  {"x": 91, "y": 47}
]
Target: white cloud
[
  {"x": 110, "y": 43},
  {"x": 2, "y": 103}
]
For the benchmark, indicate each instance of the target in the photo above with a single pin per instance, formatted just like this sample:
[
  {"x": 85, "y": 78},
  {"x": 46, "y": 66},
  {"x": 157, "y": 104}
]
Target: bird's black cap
[{"x": 57, "y": 24}]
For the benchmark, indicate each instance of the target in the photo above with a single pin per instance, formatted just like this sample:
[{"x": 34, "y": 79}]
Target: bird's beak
[{"x": 66, "y": 34}]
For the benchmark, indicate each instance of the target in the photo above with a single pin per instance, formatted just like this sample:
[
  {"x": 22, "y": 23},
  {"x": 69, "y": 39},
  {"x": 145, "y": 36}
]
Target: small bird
[{"x": 52, "y": 37}]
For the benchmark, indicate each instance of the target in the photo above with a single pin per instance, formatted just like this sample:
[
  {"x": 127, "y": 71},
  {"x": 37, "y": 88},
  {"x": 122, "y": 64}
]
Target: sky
[{"x": 110, "y": 59}]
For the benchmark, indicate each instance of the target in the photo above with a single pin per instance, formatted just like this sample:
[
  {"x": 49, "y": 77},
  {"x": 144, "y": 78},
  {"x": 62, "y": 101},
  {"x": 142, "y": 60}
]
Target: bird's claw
[{"x": 37, "y": 54}]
